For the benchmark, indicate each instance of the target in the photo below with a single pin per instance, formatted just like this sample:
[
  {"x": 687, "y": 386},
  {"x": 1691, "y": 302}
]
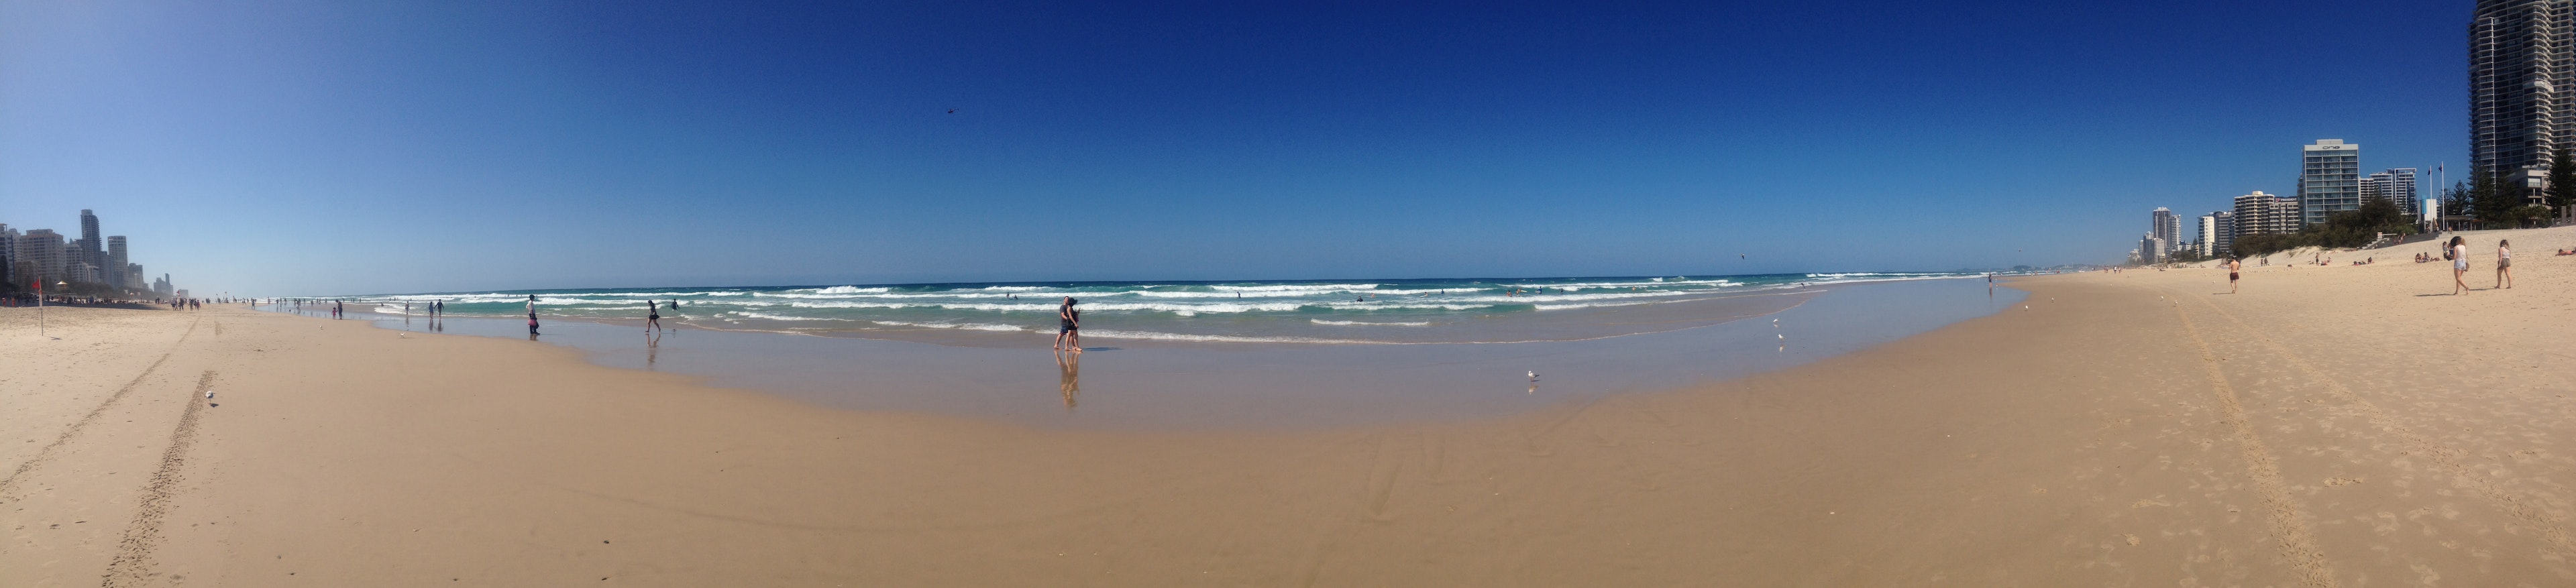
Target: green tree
[{"x": 2492, "y": 199}]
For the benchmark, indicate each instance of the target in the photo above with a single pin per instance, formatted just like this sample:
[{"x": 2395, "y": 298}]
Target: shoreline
[
  {"x": 1123, "y": 384},
  {"x": 2125, "y": 428}
]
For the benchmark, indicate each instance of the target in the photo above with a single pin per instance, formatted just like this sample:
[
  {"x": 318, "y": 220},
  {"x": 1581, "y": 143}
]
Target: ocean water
[
  {"x": 1348, "y": 312},
  {"x": 1726, "y": 332}
]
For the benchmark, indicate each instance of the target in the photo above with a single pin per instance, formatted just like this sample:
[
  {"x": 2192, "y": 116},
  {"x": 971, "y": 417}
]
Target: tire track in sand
[
  {"x": 2549, "y": 527},
  {"x": 133, "y": 563},
  {"x": 46, "y": 454},
  {"x": 2280, "y": 511}
]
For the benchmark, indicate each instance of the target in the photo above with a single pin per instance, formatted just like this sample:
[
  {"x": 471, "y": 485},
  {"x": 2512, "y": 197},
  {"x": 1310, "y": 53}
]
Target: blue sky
[{"x": 348, "y": 147}]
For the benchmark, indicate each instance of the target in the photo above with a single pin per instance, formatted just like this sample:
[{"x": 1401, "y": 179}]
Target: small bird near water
[{"x": 1533, "y": 376}]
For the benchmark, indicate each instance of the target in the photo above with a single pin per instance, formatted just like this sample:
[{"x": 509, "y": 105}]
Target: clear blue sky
[{"x": 347, "y": 147}]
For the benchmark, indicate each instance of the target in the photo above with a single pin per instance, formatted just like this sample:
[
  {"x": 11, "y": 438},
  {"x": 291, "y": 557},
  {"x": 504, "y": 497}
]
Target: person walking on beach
[
  {"x": 532, "y": 315},
  {"x": 2504, "y": 263},
  {"x": 1068, "y": 328},
  {"x": 652, "y": 315},
  {"x": 2232, "y": 267},
  {"x": 2459, "y": 254}
]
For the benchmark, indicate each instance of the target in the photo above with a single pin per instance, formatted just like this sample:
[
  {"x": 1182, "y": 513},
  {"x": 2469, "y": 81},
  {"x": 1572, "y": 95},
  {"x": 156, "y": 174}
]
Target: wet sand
[
  {"x": 2328, "y": 427},
  {"x": 1274, "y": 386}
]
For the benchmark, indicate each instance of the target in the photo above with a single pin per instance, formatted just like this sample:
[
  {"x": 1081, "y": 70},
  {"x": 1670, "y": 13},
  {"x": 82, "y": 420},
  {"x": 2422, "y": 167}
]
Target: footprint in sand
[
  {"x": 2133, "y": 539},
  {"x": 2341, "y": 481}
]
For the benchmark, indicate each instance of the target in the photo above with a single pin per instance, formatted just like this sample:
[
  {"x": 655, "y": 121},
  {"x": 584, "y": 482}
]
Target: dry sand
[{"x": 2327, "y": 427}]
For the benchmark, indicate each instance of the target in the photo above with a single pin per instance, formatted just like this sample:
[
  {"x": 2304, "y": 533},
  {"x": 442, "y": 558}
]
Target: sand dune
[{"x": 2329, "y": 426}]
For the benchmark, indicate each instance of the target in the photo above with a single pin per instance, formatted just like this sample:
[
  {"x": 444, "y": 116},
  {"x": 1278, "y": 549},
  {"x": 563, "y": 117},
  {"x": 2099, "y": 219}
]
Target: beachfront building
[
  {"x": 2254, "y": 213},
  {"x": 2167, "y": 230},
  {"x": 2208, "y": 235},
  {"x": 8, "y": 254},
  {"x": 114, "y": 269},
  {"x": 43, "y": 252},
  {"x": 2397, "y": 185},
  {"x": 2222, "y": 233},
  {"x": 2329, "y": 179},
  {"x": 2518, "y": 51},
  {"x": 134, "y": 275}
]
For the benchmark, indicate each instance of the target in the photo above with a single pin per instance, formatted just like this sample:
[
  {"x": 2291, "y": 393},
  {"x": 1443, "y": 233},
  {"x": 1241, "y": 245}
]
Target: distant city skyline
[
  {"x": 410, "y": 147},
  {"x": 42, "y": 258}
]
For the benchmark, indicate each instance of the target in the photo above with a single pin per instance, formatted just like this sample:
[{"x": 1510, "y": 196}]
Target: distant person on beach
[
  {"x": 2504, "y": 263},
  {"x": 2232, "y": 267},
  {"x": 652, "y": 315},
  {"x": 1068, "y": 328},
  {"x": 2459, "y": 254},
  {"x": 532, "y": 315}
]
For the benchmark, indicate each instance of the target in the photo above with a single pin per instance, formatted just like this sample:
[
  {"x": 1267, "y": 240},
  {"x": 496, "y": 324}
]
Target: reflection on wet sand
[
  {"x": 1069, "y": 380},
  {"x": 652, "y": 348}
]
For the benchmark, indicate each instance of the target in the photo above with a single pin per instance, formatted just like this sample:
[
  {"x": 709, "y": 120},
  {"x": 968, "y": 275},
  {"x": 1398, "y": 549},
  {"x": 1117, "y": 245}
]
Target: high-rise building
[
  {"x": 2329, "y": 180},
  {"x": 2148, "y": 246},
  {"x": 2397, "y": 185},
  {"x": 2253, "y": 213},
  {"x": 92, "y": 250},
  {"x": 2222, "y": 234},
  {"x": 2167, "y": 230},
  {"x": 114, "y": 270},
  {"x": 2264, "y": 214},
  {"x": 8, "y": 254},
  {"x": 134, "y": 275},
  {"x": 2518, "y": 56},
  {"x": 44, "y": 253},
  {"x": 2208, "y": 235}
]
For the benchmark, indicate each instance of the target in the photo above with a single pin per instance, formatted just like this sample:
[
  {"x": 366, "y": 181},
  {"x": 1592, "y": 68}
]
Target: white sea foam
[
  {"x": 1106, "y": 334},
  {"x": 776, "y": 317},
  {"x": 965, "y": 326},
  {"x": 849, "y": 290},
  {"x": 1366, "y": 323},
  {"x": 1296, "y": 288}
]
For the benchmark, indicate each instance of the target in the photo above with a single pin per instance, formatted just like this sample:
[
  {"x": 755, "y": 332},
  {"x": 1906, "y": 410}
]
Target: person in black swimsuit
[
  {"x": 652, "y": 315},
  {"x": 1068, "y": 328}
]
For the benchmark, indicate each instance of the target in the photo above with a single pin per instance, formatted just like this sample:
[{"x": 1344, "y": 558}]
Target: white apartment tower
[{"x": 2329, "y": 180}]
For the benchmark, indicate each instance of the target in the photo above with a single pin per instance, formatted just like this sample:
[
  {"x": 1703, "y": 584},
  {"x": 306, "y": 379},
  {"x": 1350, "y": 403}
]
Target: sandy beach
[{"x": 2327, "y": 426}]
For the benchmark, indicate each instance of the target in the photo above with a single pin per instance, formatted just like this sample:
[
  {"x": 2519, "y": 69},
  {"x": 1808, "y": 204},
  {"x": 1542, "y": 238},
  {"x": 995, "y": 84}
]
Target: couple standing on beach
[{"x": 1068, "y": 328}]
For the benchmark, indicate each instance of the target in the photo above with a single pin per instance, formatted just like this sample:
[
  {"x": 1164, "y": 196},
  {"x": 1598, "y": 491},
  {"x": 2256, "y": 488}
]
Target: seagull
[
  {"x": 952, "y": 111},
  {"x": 1533, "y": 376},
  {"x": 210, "y": 394},
  {"x": 1782, "y": 337}
]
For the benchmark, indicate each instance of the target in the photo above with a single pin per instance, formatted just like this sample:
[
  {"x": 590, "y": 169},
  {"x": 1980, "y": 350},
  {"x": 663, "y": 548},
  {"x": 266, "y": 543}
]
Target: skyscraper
[
  {"x": 8, "y": 254},
  {"x": 90, "y": 245},
  {"x": 2397, "y": 185},
  {"x": 114, "y": 269},
  {"x": 2518, "y": 50},
  {"x": 44, "y": 255},
  {"x": 2329, "y": 180},
  {"x": 2207, "y": 235},
  {"x": 2166, "y": 229},
  {"x": 2222, "y": 236}
]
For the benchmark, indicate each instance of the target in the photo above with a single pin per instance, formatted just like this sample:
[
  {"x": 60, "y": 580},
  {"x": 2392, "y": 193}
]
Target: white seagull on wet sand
[{"x": 1533, "y": 376}]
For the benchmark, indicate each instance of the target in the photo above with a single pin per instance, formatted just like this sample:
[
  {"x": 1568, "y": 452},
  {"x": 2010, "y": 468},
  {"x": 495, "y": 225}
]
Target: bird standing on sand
[{"x": 1533, "y": 376}]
